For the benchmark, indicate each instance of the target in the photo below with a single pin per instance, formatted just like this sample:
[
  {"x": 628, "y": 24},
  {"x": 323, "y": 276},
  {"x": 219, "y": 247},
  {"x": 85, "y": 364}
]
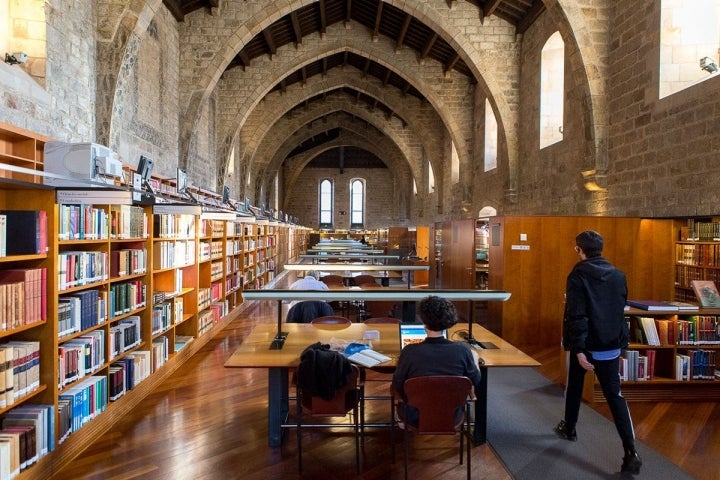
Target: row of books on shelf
[
  {"x": 128, "y": 221},
  {"x": 699, "y": 364},
  {"x": 23, "y": 232},
  {"x": 23, "y": 297},
  {"x": 27, "y": 433},
  {"x": 167, "y": 225},
  {"x": 700, "y": 231},
  {"x": 82, "y": 222},
  {"x": 702, "y": 254},
  {"x": 81, "y": 310},
  {"x": 130, "y": 261},
  {"x": 19, "y": 370},
  {"x": 691, "y": 330},
  {"x": 80, "y": 268},
  {"x": 125, "y": 335},
  {"x": 80, "y": 356},
  {"x": 126, "y": 297},
  {"x": 173, "y": 254}
]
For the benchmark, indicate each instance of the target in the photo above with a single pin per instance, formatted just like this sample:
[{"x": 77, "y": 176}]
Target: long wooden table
[{"x": 254, "y": 353}]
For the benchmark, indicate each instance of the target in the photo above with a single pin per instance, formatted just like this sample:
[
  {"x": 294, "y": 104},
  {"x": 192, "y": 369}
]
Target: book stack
[
  {"x": 20, "y": 426},
  {"x": 23, "y": 296},
  {"x": 25, "y": 232}
]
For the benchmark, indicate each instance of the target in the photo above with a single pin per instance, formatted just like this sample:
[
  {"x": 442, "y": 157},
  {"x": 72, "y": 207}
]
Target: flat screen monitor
[
  {"x": 226, "y": 194},
  {"x": 144, "y": 168}
]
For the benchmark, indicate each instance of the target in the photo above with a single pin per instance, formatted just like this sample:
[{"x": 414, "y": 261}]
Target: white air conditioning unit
[{"x": 76, "y": 164}]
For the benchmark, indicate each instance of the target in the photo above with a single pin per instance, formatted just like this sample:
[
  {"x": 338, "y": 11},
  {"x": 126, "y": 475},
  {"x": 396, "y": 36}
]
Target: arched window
[
  {"x": 431, "y": 178},
  {"x": 689, "y": 43},
  {"x": 552, "y": 81},
  {"x": 357, "y": 203},
  {"x": 454, "y": 164},
  {"x": 491, "y": 137},
  {"x": 326, "y": 204}
]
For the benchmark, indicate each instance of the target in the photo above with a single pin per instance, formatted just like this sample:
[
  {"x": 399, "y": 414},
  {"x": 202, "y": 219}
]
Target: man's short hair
[
  {"x": 436, "y": 313},
  {"x": 590, "y": 242},
  {"x": 313, "y": 273}
]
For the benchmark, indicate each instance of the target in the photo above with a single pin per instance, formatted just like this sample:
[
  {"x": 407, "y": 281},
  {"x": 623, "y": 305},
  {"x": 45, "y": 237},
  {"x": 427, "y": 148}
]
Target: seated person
[
  {"x": 307, "y": 310},
  {"x": 309, "y": 282},
  {"x": 435, "y": 355}
]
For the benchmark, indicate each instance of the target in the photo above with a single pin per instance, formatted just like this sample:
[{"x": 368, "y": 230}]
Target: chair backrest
[
  {"x": 438, "y": 398},
  {"x": 365, "y": 280},
  {"x": 307, "y": 310},
  {"x": 395, "y": 321},
  {"x": 344, "y": 400},
  {"x": 331, "y": 320},
  {"x": 333, "y": 280}
]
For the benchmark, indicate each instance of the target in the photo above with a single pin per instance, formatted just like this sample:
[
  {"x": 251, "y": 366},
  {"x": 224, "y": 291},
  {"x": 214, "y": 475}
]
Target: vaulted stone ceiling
[{"x": 380, "y": 19}]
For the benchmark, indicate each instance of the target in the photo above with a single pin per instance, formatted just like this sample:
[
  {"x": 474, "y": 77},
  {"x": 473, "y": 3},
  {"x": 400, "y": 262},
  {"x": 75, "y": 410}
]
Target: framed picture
[{"x": 706, "y": 293}]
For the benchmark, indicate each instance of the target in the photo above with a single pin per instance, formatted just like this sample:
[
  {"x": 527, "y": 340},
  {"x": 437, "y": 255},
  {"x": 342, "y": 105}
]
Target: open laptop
[{"x": 413, "y": 333}]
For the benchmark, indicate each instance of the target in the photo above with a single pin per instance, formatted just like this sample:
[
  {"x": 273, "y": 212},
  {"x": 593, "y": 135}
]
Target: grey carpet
[{"x": 523, "y": 408}]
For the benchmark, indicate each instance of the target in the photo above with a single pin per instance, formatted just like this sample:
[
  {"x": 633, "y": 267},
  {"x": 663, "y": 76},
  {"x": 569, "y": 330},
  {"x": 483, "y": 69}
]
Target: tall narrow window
[
  {"x": 276, "y": 193},
  {"x": 552, "y": 80},
  {"x": 357, "y": 203},
  {"x": 454, "y": 164},
  {"x": 689, "y": 43},
  {"x": 431, "y": 178},
  {"x": 491, "y": 137},
  {"x": 326, "y": 203}
]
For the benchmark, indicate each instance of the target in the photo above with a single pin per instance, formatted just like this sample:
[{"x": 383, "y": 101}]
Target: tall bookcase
[{"x": 141, "y": 275}]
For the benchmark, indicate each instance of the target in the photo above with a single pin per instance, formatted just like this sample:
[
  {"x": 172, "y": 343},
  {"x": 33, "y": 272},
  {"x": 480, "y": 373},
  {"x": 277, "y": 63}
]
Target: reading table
[{"x": 256, "y": 351}]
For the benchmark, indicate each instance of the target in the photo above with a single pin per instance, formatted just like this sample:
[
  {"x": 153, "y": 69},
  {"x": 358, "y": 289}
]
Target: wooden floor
[{"x": 210, "y": 422}]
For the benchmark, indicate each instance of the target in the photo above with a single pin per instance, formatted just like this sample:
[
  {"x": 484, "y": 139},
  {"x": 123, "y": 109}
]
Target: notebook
[{"x": 413, "y": 333}]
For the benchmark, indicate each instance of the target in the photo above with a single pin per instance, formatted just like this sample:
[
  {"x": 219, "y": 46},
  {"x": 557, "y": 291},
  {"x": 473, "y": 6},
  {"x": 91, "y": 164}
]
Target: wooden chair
[
  {"x": 331, "y": 320},
  {"x": 365, "y": 280},
  {"x": 346, "y": 399},
  {"x": 333, "y": 281},
  {"x": 381, "y": 308},
  {"x": 437, "y": 399}
]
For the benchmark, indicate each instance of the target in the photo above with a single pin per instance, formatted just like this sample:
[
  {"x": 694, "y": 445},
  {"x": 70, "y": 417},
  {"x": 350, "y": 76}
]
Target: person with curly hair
[{"x": 436, "y": 355}]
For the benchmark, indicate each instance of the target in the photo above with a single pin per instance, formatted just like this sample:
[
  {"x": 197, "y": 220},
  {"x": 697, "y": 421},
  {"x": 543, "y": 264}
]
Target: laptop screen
[{"x": 413, "y": 333}]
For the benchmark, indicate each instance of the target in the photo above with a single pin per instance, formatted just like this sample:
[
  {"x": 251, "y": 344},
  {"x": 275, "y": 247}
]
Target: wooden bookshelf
[
  {"x": 701, "y": 384},
  {"x": 109, "y": 240}
]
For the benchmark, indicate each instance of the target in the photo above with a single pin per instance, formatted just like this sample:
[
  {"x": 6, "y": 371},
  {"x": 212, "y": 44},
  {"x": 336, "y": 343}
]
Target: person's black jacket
[
  {"x": 595, "y": 307},
  {"x": 322, "y": 371}
]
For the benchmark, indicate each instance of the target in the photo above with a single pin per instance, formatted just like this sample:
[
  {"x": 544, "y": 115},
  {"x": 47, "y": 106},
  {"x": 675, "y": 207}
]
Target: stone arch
[
  {"x": 203, "y": 79},
  {"x": 589, "y": 72}
]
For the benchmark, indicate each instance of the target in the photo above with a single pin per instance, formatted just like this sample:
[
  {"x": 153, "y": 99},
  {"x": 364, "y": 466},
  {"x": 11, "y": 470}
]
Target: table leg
[
  {"x": 480, "y": 432},
  {"x": 278, "y": 404}
]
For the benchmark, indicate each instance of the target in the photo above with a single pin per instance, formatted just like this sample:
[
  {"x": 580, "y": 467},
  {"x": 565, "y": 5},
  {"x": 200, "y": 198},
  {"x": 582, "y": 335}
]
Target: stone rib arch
[
  {"x": 589, "y": 69},
  {"x": 423, "y": 123},
  {"x": 399, "y": 194},
  {"x": 119, "y": 49},
  {"x": 407, "y": 141},
  {"x": 253, "y": 18},
  {"x": 253, "y": 117}
]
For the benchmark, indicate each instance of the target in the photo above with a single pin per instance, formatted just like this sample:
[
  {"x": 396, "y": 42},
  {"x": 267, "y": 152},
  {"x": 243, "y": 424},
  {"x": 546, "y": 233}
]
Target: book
[
  {"x": 685, "y": 306},
  {"x": 650, "y": 330},
  {"x": 706, "y": 293},
  {"x": 653, "y": 305},
  {"x": 368, "y": 358},
  {"x": 26, "y": 232}
]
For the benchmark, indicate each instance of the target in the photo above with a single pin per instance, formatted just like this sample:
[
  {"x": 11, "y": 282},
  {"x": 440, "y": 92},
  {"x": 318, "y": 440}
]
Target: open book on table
[{"x": 368, "y": 358}]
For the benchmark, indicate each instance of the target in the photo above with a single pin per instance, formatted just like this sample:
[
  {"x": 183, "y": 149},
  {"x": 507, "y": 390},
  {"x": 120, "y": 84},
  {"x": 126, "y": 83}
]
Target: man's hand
[{"x": 583, "y": 361}]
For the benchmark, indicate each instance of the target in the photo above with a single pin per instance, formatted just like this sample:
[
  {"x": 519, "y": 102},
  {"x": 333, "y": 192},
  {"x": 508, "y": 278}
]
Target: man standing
[{"x": 595, "y": 331}]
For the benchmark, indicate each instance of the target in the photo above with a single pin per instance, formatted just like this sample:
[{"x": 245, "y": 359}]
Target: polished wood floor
[{"x": 209, "y": 422}]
